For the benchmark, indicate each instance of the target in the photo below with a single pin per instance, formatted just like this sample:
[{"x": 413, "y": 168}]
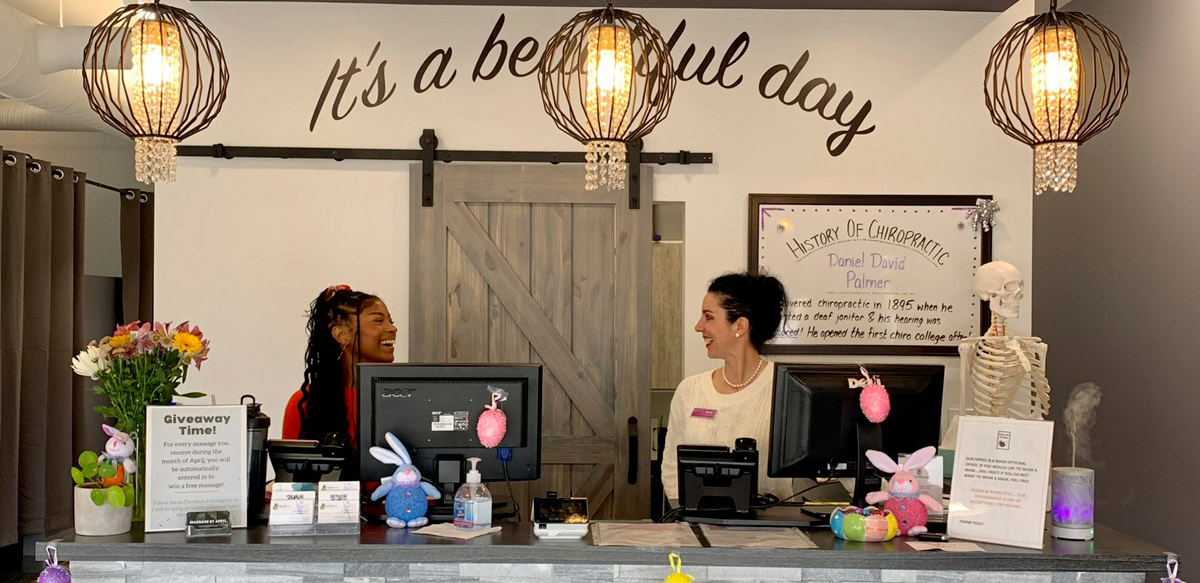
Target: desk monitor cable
[{"x": 504, "y": 454}]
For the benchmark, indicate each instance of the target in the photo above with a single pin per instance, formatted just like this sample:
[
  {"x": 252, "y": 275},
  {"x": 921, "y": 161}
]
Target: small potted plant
[{"x": 103, "y": 498}]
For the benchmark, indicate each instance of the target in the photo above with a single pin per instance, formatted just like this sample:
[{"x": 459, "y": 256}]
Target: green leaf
[
  {"x": 97, "y": 497},
  {"x": 107, "y": 471},
  {"x": 128, "y": 495},
  {"x": 88, "y": 458},
  {"x": 116, "y": 496},
  {"x": 89, "y": 472},
  {"x": 77, "y": 476},
  {"x": 193, "y": 395}
]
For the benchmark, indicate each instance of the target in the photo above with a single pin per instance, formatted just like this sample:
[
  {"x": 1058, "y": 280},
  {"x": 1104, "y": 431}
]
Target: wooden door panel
[
  {"x": 568, "y": 368},
  {"x": 550, "y": 248},
  {"x": 632, "y": 355},
  {"x": 427, "y": 274},
  {"x": 508, "y": 227},
  {"x": 592, "y": 336},
  {"x": 518, "y": 263},
  {"x": 467, "y": 301}
]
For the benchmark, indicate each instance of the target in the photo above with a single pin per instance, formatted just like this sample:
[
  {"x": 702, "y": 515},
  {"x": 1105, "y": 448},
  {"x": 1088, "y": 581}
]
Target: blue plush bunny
[{"x": 406, "y": 503}]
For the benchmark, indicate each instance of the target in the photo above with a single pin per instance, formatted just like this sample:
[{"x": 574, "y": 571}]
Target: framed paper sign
[
  {"x": 196, "y": 460},
  {"x": 888, "y": 274}
]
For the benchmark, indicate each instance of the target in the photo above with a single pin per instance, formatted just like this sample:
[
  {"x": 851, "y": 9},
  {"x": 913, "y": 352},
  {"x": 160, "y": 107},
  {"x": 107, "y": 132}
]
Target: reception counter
[{"x": 382, "y": 555}]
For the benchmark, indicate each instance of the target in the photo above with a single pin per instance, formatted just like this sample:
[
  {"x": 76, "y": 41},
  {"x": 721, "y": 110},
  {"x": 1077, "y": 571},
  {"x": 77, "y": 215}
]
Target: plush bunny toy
[
  {"x": 118, "y": 449},
  {"x": 406, "y": 503},
  {"x": 903, "y": 497}
]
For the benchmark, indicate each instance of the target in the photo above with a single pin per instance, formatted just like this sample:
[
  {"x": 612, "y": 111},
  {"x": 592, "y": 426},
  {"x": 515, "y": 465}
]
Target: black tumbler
[{"x": 257, "y": 424}]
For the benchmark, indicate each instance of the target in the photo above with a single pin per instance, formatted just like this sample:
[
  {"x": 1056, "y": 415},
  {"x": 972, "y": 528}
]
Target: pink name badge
[{"x": 704, "y": 413}]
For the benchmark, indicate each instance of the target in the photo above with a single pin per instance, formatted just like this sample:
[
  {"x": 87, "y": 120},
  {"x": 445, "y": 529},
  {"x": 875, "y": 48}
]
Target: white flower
[{"x": 90, "y": 362}]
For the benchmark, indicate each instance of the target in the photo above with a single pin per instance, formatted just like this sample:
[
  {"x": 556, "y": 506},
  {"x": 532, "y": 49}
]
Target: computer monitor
[
  {"x": 819, "y": 431},
  {"x": 434, "y": 408}
]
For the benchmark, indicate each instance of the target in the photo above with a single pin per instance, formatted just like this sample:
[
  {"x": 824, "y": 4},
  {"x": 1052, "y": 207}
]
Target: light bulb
[
  {"x": 154, "y": 79},
  {"x": 1055, "y": 70},
  {"x": 606, "y": 73},
  {"x": 609, "y": 72},
  {"x": 154, "y": 84}
]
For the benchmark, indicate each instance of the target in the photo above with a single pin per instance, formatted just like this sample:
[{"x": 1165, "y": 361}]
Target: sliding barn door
[{"x": 518, "y": 263}]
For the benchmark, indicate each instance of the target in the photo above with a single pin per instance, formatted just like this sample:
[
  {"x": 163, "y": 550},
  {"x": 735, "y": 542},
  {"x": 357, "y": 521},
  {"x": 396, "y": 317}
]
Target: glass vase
[{"x": 139, "y": 477}]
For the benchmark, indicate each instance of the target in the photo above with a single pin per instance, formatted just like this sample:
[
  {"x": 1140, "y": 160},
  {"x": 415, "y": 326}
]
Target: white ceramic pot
[{"x": 103, "y": 520}]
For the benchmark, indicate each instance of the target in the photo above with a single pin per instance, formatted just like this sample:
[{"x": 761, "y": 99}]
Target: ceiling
[
  {"x": 955, "y": 5},
  {"x": 89, "y": 12},
  {"x": 74, "y": 12}
]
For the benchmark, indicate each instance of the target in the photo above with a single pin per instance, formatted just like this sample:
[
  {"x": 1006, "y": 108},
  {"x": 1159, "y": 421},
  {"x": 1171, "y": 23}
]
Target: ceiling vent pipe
[
  {"x": 22, "y": 117},
  {"x": 60, "y": 93}
]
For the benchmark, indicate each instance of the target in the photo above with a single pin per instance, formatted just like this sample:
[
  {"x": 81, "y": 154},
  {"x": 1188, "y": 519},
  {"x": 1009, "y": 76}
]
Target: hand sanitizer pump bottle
[{"x": 473, "y": 502}]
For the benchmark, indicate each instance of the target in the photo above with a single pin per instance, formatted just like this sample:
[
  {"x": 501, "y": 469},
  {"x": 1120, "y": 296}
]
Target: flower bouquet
[{"x": 141, "y": 365}]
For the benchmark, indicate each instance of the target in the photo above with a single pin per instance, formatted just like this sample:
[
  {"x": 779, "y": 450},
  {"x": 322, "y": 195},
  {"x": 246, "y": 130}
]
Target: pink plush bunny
[
  {"x": 903, "y": 497},
  {"x": 119, "y": 448}
]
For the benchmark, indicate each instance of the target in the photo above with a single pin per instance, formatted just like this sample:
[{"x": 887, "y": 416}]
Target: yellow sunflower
[{"x": 187, "y": 343}]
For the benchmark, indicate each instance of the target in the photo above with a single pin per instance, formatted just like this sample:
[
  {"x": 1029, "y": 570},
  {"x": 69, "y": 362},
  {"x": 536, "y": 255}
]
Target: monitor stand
[
  {"x": 777, "y": 516},
  {"x": 451, "y": 473},
  {"x": 443, "y": 511},
  {"x": 865, "y": 479}
]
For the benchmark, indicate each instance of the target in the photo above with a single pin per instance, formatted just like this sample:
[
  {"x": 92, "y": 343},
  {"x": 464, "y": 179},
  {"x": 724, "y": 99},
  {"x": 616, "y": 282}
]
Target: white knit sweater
[{"x": 746, "y": 413}]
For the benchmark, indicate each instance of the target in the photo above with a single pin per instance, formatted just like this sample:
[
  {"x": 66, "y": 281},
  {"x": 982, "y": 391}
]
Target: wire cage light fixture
[
  {"x": 1053, "y": 82},
  {"x": 607, "y": 79},
  {"x": 169, "y": 81}
]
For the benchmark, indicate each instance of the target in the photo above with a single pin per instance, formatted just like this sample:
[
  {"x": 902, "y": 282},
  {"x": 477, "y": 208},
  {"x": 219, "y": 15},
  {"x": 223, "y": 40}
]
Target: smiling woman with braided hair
[{"x": 345, "y": 327}]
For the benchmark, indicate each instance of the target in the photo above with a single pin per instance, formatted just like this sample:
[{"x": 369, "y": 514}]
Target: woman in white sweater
[{"x": 739, "y": 314}]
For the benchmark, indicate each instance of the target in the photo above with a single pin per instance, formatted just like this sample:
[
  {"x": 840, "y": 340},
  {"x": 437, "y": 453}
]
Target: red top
[{"x": 291, "y": 416}]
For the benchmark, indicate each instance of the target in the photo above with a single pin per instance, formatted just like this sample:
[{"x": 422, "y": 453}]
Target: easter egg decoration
[
  {"x": 678, "y": 576},
  {"x": 493, "y": 423}
]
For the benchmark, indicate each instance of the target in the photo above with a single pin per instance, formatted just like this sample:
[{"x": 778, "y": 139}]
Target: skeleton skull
[{"x": 1000, "y": 284}]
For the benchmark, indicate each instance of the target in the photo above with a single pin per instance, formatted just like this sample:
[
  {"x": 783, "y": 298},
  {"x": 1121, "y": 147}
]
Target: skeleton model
[{"x": 1006, "y": 374}]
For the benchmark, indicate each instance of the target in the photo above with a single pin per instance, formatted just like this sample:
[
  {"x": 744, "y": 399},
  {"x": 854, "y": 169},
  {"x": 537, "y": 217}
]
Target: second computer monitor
[
  {"x": 434, "y": 410},
  {"x": 816, "y": 422}
]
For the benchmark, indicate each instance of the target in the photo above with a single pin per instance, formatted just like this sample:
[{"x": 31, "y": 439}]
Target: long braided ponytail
[{"x": 323, "y": 398}]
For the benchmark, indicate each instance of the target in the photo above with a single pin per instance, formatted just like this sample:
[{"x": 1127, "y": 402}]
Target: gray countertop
[{"x": 1110, "y": 552}]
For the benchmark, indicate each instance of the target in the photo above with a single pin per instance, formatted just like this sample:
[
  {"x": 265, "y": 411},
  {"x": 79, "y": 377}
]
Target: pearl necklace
[{"x": 748, "y": 381}]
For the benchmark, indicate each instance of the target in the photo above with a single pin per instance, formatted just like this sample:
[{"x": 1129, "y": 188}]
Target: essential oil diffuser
[{"x": 1073, "y": 503}]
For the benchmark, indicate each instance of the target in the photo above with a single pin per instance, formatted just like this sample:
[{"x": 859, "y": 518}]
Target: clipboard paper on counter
[
  {"x": 643, "y": 534},
  {"x": 745, "y": 537}
]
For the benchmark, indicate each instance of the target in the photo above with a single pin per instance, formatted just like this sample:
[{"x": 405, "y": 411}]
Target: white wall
[
  {"x": 243, "y": 246},
  {"x": 106, "y": 158}
]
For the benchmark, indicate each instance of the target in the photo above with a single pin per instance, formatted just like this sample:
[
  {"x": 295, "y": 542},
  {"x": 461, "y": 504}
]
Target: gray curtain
[
  {"x": 137, "y": 255},
  {"x": 41, "y": 268}
]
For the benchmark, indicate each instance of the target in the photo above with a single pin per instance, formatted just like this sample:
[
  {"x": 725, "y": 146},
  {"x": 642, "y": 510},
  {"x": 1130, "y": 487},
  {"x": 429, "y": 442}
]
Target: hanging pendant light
[
  {"x": 606, "y": 79},
  {"x": 1053, "y": 82},
  {"x": 169, "y": 82}
]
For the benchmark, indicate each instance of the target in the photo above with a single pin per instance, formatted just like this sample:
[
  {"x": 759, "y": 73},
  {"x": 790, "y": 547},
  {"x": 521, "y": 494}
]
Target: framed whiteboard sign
[{"x": 887, "y": 274}]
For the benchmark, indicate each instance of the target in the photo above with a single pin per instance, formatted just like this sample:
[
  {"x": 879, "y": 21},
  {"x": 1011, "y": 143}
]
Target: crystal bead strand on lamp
[
  {"x": 153, "y": 87},
  {"x": 609, "y": 75},
  {"x": 1054, "y": 73}
]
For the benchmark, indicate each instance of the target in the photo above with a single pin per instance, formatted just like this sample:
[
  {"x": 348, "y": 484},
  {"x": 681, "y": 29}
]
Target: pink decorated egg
[
  {"x": 491, "y": 427},
  {"x": 874, "y": 402}
]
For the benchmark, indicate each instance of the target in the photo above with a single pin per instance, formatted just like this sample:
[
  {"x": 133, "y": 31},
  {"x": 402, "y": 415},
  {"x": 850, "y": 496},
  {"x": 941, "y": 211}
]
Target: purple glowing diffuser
[{"x": 1072, "y": 507}]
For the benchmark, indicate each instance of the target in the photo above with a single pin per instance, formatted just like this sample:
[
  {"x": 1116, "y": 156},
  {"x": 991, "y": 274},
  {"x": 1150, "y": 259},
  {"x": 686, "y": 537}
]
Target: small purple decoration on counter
[{"x": 53, "y": 573}]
